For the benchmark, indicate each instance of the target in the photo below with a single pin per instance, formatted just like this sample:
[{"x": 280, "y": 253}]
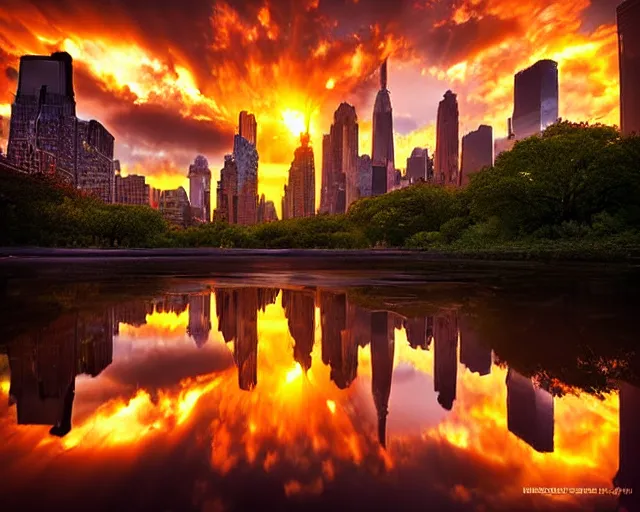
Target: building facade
[
  {"x": 175, "y": 207},
  {"x": 365, "y": 176},
  {"x": 383, "y": 152},
  {"x": 94, "y": 160},
  {"x": 248, "y": 127},
  {"x": 227, "y": 192},
  {"x": 266, "y": 210},
  {"x": 246, "y": 159},
  {"x": 418, "y": 166},
  {"x": 535, "y": 99},
  {"x": 628, "y": 15},
  {"x": 200, "y": 189},
  {"x": 300, "y": 192},
  {"x": 447, "y": 141},
  {"x": 132, "y": 189},
  {"x": 477, "y": 152}
]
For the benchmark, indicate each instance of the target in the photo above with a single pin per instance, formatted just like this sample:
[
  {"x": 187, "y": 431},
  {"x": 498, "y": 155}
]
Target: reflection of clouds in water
[{"x": 413, "y": 406}]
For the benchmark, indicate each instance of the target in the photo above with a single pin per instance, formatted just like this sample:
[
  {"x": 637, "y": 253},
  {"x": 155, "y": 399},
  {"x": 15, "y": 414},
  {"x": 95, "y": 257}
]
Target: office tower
[
  {"x": 473, "y": 354},
  {"x": 447, "y": 141},
  {"x": 300, "y": 191},
  {"x": 266, "y": 210},
  {"x": 245, "y": 350},
  {"x": 199, "y": 318},
  {"x": 358, "y": 326},
  {"x": 299, "y": 309},
  {"x": 445, "y": 358},
  {"x": 200, "y": 189},
  {"x": 327, "y": 175},
  {"x": 628, "y": 15},
  {"x": 382, "y": 153},
  {"x": 246, "y": 159},
  {"x": 365, "y": 176},
  {"x": 342, "y": 171},
  {"x": 266, "y": 297},
  {"x": 535, "y": 99},
  {"x": 477, "y": 152},
  {"x": 416, "y": 329},
  {"x": 382, "y": 353},
  {"x": 227, "y": 192},
  {"x": 628, "y": 475},
  {"x": 174, "y": 206},
  {"x": 42, "y": 134},
  {"x": 418, "y": 165},
  {"x": 132, "y": 189},
  {"x": 154, "y": 197},
  {"x": 132, "y": 313},
  {"x": 46, "y": 136},
  {"x": 248, "y": 127},
  {"x": 529, "y": 412}
]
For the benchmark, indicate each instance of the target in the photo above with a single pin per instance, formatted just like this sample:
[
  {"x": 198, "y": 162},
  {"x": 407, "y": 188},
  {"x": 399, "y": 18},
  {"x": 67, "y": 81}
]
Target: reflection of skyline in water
[{"x": 356, "y": 345}]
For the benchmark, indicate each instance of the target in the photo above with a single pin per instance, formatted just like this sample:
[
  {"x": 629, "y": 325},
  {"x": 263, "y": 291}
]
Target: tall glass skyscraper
[{"x": 629, "y": 52}]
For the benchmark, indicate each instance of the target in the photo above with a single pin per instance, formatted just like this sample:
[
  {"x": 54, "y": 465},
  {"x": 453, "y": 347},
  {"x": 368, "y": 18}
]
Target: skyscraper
[
  {"x": 342, "y": 176},
  {"x": 299, "y": 309},
  {"x": 445, "y": 358},
  {"x": 447, "y": 141},
  {"x": 529, "y": 412},
  {"x": 246, "y": 159},
  {"x": 365, "y": 176},
  {"x": 45, "y": 134},
  {"x": 535, "y": 99},
  {"x": 200, "y": 188},
  {"x": 338, "y": 349},
  {"x": 628, "y": 15},
  {"x": 266, "y": 210},
  {"x": 300, "y": 191},
  {"x": 382, "y": 354},
  {"x": 227, "y": 192},
  {"x": 418, "y": 165},
  {"x": 132, "y": 189},
  {"x": 382, "y": 153},
  {"x": 473, "y": 354},
  {"x": 248, "y": 127},
  {"x": 199, "y": 318},
  {"x": 174, "y": 206},
  {"x": 477, "y": 152},
  {"x": 628, "y": 475},
  {"x": 327, "y": 176}
]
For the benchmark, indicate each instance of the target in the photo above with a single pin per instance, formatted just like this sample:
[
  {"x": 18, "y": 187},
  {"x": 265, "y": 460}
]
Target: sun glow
[{"x": 295, "y": 121}]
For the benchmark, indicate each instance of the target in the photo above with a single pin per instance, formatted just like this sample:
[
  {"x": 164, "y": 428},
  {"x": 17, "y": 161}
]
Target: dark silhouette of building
[
  {"x": 175, "y": 303},
  {"x": 266, "y": 211},
  {"x": 199, "y": 318},
  {"x": 419, "y": 166},
  {"x": 477, "y": 152},
  {"x": 200, "y": 189},
  {"x": 535, "y": 99},
  {"x": 245, "y": 156},
  {"x": 365, "y": 176},
  {"x": 378, "y": 180},
  {"x": 300, "y": 192},
  {"x": 382, "y": 353},
  {"x": 473, "y": 354},
  {"x": 445, "y": 358},
  {"x": 44, "y": 364},
  {"x": 342, "y": 172},
  {"x": 327, "y": 175},
  {"x": 358, "y": 328},
  {"x": 339, "y": 345},
  {"x": 529, "y": 412},
  {"x": 299, "y": 309},
  {"x": 447, "y": 141},
  {"x": 628, "y": 15},
  {"x": 246, "y": 342},
  {"x": 628, "y": 475},
  {"x": 382, "y": 152},
  {"x": 132, "y": 189},
  {"x": 131, "y": 313},
  {"x": 175, "y": 207},
  {"x": 227, "y": 192},
  {"x": 417, "y": 332},
  {"x": 266, "y": 297},
  {"x": 226, "y": 311}
]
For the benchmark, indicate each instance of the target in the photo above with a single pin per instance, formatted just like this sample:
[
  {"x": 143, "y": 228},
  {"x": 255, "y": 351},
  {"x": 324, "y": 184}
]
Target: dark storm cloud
[{"x": 158, "y": 127}]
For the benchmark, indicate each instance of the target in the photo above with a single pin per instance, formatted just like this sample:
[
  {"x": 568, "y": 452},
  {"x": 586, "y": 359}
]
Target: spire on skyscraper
[{"x": 383, "y": 75}]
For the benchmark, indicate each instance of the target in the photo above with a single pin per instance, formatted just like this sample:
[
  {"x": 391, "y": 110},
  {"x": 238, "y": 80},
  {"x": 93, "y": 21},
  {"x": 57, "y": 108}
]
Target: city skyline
[{"x": 588, "y": 85}]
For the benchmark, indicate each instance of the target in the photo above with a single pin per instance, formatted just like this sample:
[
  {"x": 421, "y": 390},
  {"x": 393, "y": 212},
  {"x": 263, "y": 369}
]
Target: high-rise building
[
  {"x": 365, "y": 176},
  {"x": 338, "y": 349},
  {"x": 445, "y": 358},
  {"x": 266, "y": 210},
  {"x": 200, "y": 189},
  {"x": 342, "y": 175},
  {"x": 327, "y": 176},
  {"x": 248, "y": 127},
  {"x": 246, "y": 159},
  {"x": 299, "y": 309},
  {"x": 45, "y": 135},
  {"x": 473, "y": 354},
  {"x": 382, "y": 153},
  {"x": 245, "y": 350},
  {"x": 535, "y": 99},
  {"x": 199, "y": 318},
  {"x": 132, "y": 189},
  {"x": 447, "y": 141},
  {"x": 175, "y": 208},
  {"x": 529, "y": 412},
  {"x": 300, "y": 192},
  {"x": 628, "y": 475},
  {"x": 628, "y": 15},
  {"x": 227, "y": 192},
  {"x": 418, "y": 165},
  {"x": 416, "y": 329},
  {"x": 477, "y": 152}
]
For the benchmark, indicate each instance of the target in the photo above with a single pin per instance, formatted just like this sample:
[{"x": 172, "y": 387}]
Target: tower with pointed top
[
  {"x": 447, "y": 141},
  {"x": 300, "y": 191},
  {"x": 382, "y": 154}
]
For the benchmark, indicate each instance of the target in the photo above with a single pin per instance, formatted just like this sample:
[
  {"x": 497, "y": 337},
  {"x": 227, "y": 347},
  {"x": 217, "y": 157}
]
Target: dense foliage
[{"x": 574, "y": 187}]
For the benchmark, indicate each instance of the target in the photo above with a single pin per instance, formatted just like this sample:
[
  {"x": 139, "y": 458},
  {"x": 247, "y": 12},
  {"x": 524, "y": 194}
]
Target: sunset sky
[{"x": 169, "y": 79}]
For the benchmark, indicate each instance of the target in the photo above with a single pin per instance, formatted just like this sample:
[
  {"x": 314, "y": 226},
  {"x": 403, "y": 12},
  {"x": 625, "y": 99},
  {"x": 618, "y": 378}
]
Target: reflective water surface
[{"x": 228, "y": 394}]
